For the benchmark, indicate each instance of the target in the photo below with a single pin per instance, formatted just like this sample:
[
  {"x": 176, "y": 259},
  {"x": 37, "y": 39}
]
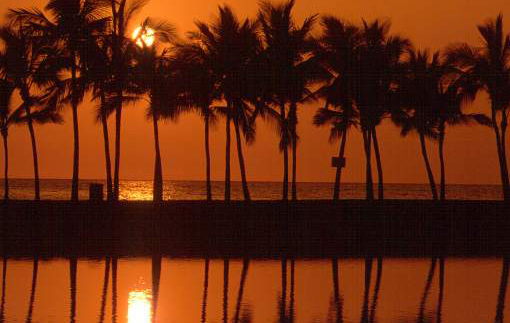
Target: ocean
[{"x": 59, "y": 189}]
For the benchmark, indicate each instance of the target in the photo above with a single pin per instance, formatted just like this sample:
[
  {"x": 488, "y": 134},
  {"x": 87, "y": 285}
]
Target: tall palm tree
[
  {"x": 377, "y": 68},
  {"x": 232, "y": 46},
  {"x": 337, "y": 51},
  {"x": 70, "y": 26},
  {"x": 32, "y": 290},
  {"x": 154, "y": 77},
  {"x": 488, "y": 67},
  {"x": 287, "y": 67},
  {"x": 24, "y": 63},
  {"x": 7, "y": 117},
  {"x": 198, "y": 82}
]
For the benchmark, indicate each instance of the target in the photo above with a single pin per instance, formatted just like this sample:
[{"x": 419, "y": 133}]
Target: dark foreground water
[
  {"x": 143, "y": 290},
  {"x": 195, "y": 190}
]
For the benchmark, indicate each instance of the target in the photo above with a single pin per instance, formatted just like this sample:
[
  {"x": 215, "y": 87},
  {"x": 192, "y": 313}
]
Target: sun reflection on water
[{"x": 139, "y": 306}]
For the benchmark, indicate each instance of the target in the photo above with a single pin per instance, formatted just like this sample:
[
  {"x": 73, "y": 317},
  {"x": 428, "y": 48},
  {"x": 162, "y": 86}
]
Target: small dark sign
[{"x": 337, "y": 162}]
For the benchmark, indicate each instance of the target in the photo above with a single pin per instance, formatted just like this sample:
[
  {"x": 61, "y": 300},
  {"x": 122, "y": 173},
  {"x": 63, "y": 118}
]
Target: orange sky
[{"x": 470, "y": 151}]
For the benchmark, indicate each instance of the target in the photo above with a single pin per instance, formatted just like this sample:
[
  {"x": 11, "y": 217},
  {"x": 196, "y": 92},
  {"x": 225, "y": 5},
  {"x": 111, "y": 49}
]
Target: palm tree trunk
[
  {"x": 338, "y": 177},
  {"x": 294, "y": 166},
  {"x": 283, "y": 300},
  {"x": 426, "y": 291},
  {"x": 336, "y": 290},
  {"x": 380, "y": 184},
  {"x": 504, "y": 174},
  {"x": 369, "y": 182},
  {"x": 114, "y": 289},
  {"x": 225, "y": 290},
  {"x": 244, "y": 274},
  {"x": 109, "y": 190},
  {"x": 500, "y": 307},
  {"x": 4, "y": 285},
  {"x": 105, "y": 289},
  {"x": 442, "y": 195},
  {"x": 227, "y": 159},
  {"x": 246, "y": 191},
  {"x": 377, "y": 287},
  {"x": 207, "y": 158},
  {"x": 292, "y": 312},
  {"x": 368, "y": 276},
  {"x": 504, "y": 124},
  {"x": 441, "y": 291},
  {"x": 6, "y": 168},
  {"x": 427, "y": 166},
  {"x": 118, "y": 114},
  {"x": 76, "y": 139},
  {"x": 283, "y": 121},
  {"x": 34, "y": 156},
  {"x": 156, "y": 278},
  {"x": 73, "y": 267},
  {"x": 206, "y": 286},
  {"x": 32, "y": 290},
  {"x": 157, "y": 190}
]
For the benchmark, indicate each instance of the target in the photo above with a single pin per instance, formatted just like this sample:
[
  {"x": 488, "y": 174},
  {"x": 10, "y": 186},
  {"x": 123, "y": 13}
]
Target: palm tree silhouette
[
  {"x": 502, "y": 290},
  {"x": 198, "y": 81},
  {"x": 206, "y": 287},
  {"x": 32, "y": 290},
  {"x": 105, "y": 289},
  {"x": 156, "y": 278},
  {"x": 7, "y": 117},
  {"x": 337, "y": 51},
  {"x": 366, "y": 294},
  {"x": 233, "y": 46},
  {"x": 114, "y": 288},
  {"x": 377, "y": 69},
  {"x": 73, "y": 269},
  {"x": 71, "y": 25},
  {"x": 441, "y": 290},
  {"x": 4, "y": 284},
  {"x": 487, "y": 67},
  {"x": 336, "y": 291},
  {"x": 244, "y": 274},
  {"x": 24, "y": 65},
  {"x": 154, "y": 77},
  {"x": 287, "y": 72},
  {"x": 426, "y": 290}
]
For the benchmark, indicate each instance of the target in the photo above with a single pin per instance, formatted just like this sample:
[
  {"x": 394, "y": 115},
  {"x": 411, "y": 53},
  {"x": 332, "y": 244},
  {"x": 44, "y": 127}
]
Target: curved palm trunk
[
  {"x": 338, "y": 176},
  {"x": 206, "y": 287},
  {"x": 283, "y": 121},
  {"x": 283, "y": 301},
  {"x": 73, "y": 267},
  {"x": 156, "y": 278},
  {"x": 157, "y": 189},
  {"x": 502, "y": 164},
  {"x": 6, "y": 168},
  {"x": 4, "y": 282},
  {"x": 246, "y": 191},
  {"x": 207, "y": 158},
  {"x": 227, "y": 159},
  {"x": 377, "y": 287},
  {"x": 114, "y": 289},
  {"x": 105, "y": 289},
  {"x": 504, "y": 125},
  {"x": 225, "y": 290},
  {"x": 244, "y": 274},
  {"x": 336, "y": 291},
  {"x": 32, "y": 290},
  {"x": 441, "y": 291},
  {"x": 104, "y": 122},
  {"x": 34, "y": 157},
  {"x": 368, "y": 276},
  {"x": 292, "y": 314},
  {"x": 294, "y": 167},
  {"x": 118, "y": 115},
  {"x": 426, "y": 291},
  {"x": 502, "y": 290},
  {"x": 380, "y": 183},
  {"x": 369, "y": 181},
  {"x": 76, "y": 139},
  {"x": 442, "y": 194},
  {"x": 427, "y": 166}
]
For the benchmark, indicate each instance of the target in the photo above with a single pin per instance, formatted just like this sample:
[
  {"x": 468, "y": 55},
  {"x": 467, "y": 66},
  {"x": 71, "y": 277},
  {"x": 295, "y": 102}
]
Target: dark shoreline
[{"x": 259, "y": 229}]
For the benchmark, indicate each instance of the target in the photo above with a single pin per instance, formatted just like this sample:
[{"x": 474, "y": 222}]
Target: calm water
[
  {"x": 195, "y": 190},
  {"x": 314, "y": 291}
]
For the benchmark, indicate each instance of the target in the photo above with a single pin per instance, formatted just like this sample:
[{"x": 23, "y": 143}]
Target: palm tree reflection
[
  {"x": 4, "y": 280},
  {"x": 336, "y": 291},
  {"x": 225, "y": 290},
  {"x": 377, "y": 287},
  {"x": 114, "y": 289},
  {"x": 156, "y": 276},
  {"x": 32, "y": 290},
  {"x": 73, "y": 268},
  {"x": 366, "y": 293},
  {"x": 105, "y": 289},
  {"x": 206, "y": 286},
  {"x": 502, "y": 290},
  {"x": 244, "y": 273}
]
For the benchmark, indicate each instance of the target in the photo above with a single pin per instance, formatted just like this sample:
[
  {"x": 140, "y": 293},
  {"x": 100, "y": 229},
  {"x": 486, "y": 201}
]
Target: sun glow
[
  {"x": 145, "y": 38},
  {"x": 139, "y": 307}
]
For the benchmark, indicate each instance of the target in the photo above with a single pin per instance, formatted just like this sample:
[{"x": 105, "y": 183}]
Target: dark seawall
[{"x": 264, "y": 229}]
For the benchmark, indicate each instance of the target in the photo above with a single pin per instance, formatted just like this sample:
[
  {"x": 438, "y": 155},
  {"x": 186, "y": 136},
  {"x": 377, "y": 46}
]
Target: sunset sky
[{"x": 470, "y": 151}]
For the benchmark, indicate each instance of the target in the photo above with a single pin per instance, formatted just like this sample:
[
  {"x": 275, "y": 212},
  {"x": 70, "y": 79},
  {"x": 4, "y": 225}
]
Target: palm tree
[
  {"x": 156, "y": 277},
  {"x": 71, "y": 26},
  {"x": 32, "y": 290},
  {"x": 426, "y": 290},
  {"x": 196, "y": 75},
  {"x": 366, "y": 294},
  {"x": 287, "y": 72},
  {"x": 244, "y": 274},
  {"x": 377, "y": 68},
  {"x": 24, "y": 63},
  {"x": 502, "y": 290},
  {"x": 206, "y": 287},
  {"x": 336, "y": 291},
  {"x": 232, "y": 46},
  {"x": 154, "y": 76},
  {"x": 488, "y": 67},
  {"x": 7, "y": 117}
]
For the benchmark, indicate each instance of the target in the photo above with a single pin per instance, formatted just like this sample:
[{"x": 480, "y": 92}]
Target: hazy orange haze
[{"x": 470, "y": 151}]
